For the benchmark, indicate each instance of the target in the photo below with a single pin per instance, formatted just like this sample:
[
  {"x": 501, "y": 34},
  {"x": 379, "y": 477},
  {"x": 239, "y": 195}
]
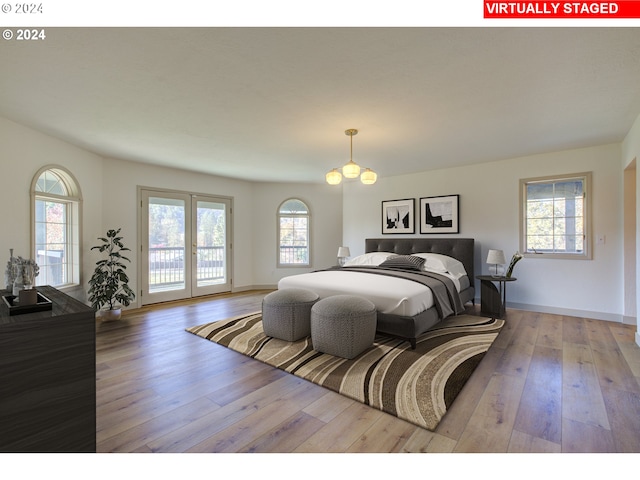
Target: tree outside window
[
  {"x": 555, "y": 216},
  {"x": 56, "y": 229},
  {"x": 293, "y": 233}
]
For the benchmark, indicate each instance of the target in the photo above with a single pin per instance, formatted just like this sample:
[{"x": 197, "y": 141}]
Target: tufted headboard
[{"x": 459, "y": 248}]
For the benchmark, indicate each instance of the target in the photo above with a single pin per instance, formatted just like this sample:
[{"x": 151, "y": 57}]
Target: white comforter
[{"x": 391, "y": 295}]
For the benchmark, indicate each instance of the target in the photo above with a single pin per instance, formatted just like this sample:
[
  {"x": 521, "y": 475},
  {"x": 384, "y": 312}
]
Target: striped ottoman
[
  {"x": 343, "y": 325},
  {"x": 286, "y": 313}
]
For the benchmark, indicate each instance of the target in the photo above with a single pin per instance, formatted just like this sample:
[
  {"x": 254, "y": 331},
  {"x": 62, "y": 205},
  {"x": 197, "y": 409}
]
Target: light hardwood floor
[{"x": 549, "y": 383}]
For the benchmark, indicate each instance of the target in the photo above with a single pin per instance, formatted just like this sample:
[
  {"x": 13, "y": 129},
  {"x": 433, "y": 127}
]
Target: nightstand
[{"x": 493, "y": 299}]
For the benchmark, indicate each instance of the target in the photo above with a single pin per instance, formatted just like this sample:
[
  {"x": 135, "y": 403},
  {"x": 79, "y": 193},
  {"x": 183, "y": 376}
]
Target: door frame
[{"x": 142, "y": 241}]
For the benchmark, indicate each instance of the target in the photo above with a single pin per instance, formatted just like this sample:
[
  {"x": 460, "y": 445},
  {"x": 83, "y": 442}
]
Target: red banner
[{"x": 562, "y": 9}]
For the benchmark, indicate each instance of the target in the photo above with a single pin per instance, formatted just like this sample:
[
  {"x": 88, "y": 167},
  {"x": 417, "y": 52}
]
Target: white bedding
[{"x": 391, "y": 295}]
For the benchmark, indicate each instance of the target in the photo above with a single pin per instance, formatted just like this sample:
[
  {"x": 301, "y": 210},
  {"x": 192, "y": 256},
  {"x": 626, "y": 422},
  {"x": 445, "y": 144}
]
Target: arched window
[
  {"x": 293, "y": 234},
  {"x": 55, "y": 235}
]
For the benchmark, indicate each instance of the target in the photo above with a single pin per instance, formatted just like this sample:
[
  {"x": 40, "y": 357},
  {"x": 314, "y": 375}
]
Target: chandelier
[{"x": 351, "y": 169}]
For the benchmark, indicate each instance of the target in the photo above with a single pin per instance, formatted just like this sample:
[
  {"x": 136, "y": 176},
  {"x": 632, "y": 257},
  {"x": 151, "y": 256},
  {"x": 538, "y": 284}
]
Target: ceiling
[{"x": 272, "y": 104}]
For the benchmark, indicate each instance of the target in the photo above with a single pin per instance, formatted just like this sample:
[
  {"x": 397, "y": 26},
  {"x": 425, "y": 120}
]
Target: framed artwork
[
  {"x": 398, "y": 216},
  {"x": 440, "y": 214}
]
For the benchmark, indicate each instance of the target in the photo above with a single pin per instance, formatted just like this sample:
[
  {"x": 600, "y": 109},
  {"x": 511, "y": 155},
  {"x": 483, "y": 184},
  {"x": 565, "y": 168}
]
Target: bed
[{"x": 407, "y": 302}]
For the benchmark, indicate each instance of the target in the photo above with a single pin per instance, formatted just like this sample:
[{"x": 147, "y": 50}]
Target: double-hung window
[
  {"x": 293, "y": 234},
  {"x": 555, "y": 216},
  {"x": 55, "y": 235}
]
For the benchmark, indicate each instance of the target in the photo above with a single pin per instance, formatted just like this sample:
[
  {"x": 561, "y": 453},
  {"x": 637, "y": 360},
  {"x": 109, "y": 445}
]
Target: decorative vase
[
  {"x": 28, "y": 296},
  {"x": 17, "y": 286},
  {"x": 18, "y": 280},
  {"x": 515, "y": 259}
]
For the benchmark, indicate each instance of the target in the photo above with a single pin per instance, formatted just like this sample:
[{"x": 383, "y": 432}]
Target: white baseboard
[
  {"x": 638, "y": 338},
  {"x": 254, "y": 287},
  {"x": 610, "y": 317}
]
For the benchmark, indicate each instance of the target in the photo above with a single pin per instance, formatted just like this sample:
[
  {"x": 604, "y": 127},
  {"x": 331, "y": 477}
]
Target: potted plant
[{"x": 108, "y": 286}]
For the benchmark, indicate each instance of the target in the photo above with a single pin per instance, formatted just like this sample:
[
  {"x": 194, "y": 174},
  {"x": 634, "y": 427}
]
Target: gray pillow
[{"x": 404, "y": 262}]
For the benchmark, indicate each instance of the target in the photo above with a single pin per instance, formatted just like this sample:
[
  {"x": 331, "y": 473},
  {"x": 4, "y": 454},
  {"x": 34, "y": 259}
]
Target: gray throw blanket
[{"x": 446, "y": 297}]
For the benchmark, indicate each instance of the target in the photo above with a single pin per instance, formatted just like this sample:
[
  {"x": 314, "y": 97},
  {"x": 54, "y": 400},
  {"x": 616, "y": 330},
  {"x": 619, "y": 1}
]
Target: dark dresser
[{"x": 48, "y": 377}]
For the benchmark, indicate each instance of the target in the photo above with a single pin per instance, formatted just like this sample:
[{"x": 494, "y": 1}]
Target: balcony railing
[
  {"x": 294, "y": 255},
  {"x": 166, "y": 266}
]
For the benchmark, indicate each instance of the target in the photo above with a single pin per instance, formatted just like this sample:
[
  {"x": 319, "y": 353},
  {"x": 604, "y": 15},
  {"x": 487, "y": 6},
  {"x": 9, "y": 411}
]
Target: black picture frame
[
  {"x": 398, "y": 216},
  {"x": 440, "y": 214}
]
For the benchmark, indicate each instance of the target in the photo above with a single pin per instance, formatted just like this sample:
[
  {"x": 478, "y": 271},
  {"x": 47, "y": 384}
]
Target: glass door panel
[
  {"x": 166, "y": 231},
  {"x": 166, "y": 244},
  {"x": 210, "y": 253}
]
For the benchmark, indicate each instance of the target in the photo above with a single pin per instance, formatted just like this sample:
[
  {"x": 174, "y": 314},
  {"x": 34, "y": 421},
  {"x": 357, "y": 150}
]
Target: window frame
[
  {"x": 279, "y": 216},
  {"x": 586, "y": 178},
  {"x": 73, "y": 230}
]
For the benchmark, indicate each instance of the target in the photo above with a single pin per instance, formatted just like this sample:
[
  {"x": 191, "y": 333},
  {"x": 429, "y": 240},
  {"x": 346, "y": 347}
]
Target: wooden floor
[{"x": 549, "y": 383}]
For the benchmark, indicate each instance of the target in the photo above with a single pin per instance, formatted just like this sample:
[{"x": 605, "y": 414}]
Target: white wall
[
  {"x": 489, "y": 213},
  {"x": 119, "y": 206},
  {"x": 254, "y": 216},
  {"x": 109, "y": 188},
  {"x": 631, "y": 153},
  {"x": 325, "y": 205},
  {"x": 23, "y": 152}
]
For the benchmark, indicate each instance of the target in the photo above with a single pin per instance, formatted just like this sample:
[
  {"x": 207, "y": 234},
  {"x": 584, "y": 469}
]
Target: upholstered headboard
[{"x": 459, "y": 248}]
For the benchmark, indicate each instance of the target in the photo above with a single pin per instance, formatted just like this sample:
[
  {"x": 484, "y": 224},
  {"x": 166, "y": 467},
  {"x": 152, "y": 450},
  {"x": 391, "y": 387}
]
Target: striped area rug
[{"x": 415, "y": 385}]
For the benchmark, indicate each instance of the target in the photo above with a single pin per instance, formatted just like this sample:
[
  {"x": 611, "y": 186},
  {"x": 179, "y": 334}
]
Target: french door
[{"x": 185, "y": 245}]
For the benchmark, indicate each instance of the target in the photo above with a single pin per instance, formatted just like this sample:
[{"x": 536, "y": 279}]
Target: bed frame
[{"x": 409, "y": 328}]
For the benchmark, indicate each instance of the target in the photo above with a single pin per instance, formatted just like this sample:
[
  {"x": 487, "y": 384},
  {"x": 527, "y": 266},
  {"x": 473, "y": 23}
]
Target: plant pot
[{"x": 110, "y": 315}]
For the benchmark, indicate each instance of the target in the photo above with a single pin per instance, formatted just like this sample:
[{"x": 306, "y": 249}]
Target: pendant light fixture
[{"x": 351, "y": 169}]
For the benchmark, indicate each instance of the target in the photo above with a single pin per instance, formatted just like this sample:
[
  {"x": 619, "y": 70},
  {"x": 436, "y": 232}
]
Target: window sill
[{"x": 558, "y": 256}]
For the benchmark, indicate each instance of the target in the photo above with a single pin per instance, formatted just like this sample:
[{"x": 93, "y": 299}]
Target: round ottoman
[
  {"x": 286, "y": 313},
  {"x": 343, "y": 325}
]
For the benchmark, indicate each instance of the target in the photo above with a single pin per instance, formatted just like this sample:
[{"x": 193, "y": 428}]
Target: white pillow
[
  {"x": 436, "y": 262},
  {"x": 370, "y": 259}
]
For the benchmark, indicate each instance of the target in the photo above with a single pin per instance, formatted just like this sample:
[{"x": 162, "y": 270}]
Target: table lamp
[
  {"x": 343, "y": 254},
  {"x": 496, "y": 257}
]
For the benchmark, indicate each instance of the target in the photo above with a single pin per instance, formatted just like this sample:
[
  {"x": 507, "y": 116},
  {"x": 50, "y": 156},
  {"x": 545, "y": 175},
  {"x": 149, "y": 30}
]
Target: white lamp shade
[
  {"x": 496, "y": 257},
  {"x": 368, "y": 177},
  {"x": 351, "y": 170},
  {"x": 344, "y": 252},
  {"x": 334, "y": 177}
]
